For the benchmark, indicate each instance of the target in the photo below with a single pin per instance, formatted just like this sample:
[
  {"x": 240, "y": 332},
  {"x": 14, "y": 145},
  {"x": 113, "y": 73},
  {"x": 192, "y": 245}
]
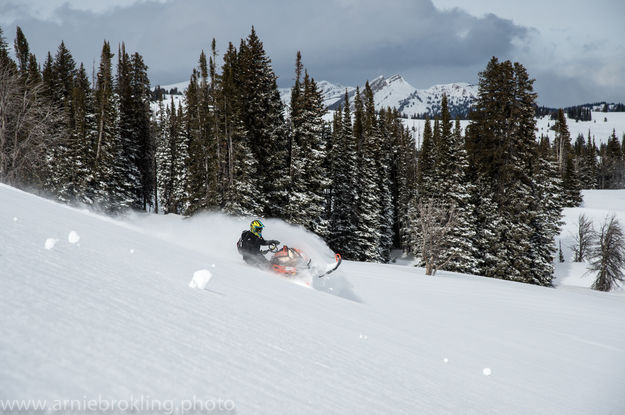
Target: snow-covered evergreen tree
[
  {"x": 344, "y": 175},
  {"x": 406, "y": 184},
  {"x": 386, "y": 177},
  {"x": 262, "y": 116},
  {"x": 130, "y": 153},
  {"x": 62, "y": 177},
  {"x": 81, "y": 144},
  {"x": 461, "y": 252},
  {"x": 110, "y": 184},
  {"x": 308, "y": 178},
  {"x": 608, "y": 255},
  {"x": 504, "y": 153},
  {"x": 171, "y": 158},
  {"x": 570, "y": 183},
  {"x": 196, "y": 185},
  {"x": 369, "y": 202},
  {"x": 241, "y": 187}
]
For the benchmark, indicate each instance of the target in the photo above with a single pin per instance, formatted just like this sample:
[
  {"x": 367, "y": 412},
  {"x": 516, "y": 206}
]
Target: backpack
[{"x": 240, "y": 243}]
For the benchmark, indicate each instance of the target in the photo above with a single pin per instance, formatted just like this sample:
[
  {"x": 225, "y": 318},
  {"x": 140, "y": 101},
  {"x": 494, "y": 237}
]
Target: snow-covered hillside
[
  {"x": 597, "y": 206},
  {"x": 396, "y": 92},
  {"x": 96, "y": 308},
  {"x": 167, "y": 98},
  {"x": 600, "y": 127}
]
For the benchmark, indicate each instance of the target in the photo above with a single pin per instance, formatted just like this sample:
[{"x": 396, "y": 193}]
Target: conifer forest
[{"x": 485, "y": 200}]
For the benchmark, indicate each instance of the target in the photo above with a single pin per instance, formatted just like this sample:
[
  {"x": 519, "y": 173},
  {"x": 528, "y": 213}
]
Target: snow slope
[
  {"x": 167, "y": 98},
  {"x": 597, "y": 206},
  {"x": 107, "y": 311},
  {"x": 600, "y": 127}
]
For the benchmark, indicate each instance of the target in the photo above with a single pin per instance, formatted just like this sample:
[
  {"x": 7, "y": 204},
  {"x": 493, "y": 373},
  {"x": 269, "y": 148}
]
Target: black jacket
[{"x": 250, "y": 244}]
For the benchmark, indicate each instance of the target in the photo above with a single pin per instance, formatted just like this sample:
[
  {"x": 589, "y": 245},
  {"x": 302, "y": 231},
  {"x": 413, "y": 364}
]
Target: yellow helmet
[{"x": 256, "y": 227}]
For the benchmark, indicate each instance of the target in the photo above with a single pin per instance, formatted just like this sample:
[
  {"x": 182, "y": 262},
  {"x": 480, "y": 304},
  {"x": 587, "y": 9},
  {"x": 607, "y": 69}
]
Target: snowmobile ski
[{"x": 339, "y": 259}]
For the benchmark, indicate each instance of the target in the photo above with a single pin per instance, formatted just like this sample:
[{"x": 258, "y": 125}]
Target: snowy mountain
[
  {"x": 395, "y": 92},
  {"x": 98, "y": 309},
  {"x": 331, "y": 93}
]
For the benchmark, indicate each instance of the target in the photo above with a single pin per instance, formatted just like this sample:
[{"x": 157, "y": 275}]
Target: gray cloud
[{"x": 343, "y": 41}]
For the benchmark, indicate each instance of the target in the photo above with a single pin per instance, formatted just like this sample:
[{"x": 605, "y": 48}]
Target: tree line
[
  {"x": 81, "y": 141},
  {"x": 487, "y": 200}
]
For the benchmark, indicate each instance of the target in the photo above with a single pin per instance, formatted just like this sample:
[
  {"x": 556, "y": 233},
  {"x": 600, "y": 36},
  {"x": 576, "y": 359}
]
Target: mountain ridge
[{"x": 396, "y": 92}]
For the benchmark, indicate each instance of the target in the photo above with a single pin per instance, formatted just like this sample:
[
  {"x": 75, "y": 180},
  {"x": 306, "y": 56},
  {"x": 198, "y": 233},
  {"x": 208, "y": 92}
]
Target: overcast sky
[{"x": 575, "y": 50}]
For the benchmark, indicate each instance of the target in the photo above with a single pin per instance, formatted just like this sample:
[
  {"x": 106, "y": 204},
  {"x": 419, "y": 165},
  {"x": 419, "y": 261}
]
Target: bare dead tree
[
  {"x": 436, "y": 220},
  {"x": 584, "y": 238},
  {"x": 608, "y": 255},
  {"x": 28, "y": 130}
]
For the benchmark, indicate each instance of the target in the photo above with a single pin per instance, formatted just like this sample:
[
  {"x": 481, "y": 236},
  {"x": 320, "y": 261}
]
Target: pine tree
[
  {"x": 426, "y": 163},
  {"x": 547, "y": 203},
  {"x": 570, "y": 184},
  {"x": 34, "y": 76},
  {"x": 503, "y": 150},
  {"x": 386, "y": 177},
  {"x": 308, "y": 183},
  {"x": 562, "y": 142},
  {"x": 109, "y": 183},
  {"x": 140, "y": 87},
  {"x": 406, "y": 183},
  {"x": 587, "y": 165},
  {"x": 444, "y": 151},
  {"x": 6, "y": 62},
  {"x": 22, "y": 52},
  {"x": 171, "y": 156},
  {"x": 47, "y": 75},
  {"x": 262, "y": 116},
  {"x": 241, "y": 196},
  {"x": 208, "y": 134},
  {"x": 461, "y": 253},
  {"x": 164, "y": 158},
  {"x": 344, "y": 175},
  {"x": 64, "y": 155},
  {"x": 369, "y": 204},
  {"x": 76, "y": 164},
  {"x": 583, "y": 238},
  {"x": 564, "y": 155},
  {"x": 196, "y": 189},
  {"x": 218, "y": 141},
  {"x": 133, "y": 90},
  {"x": 608, "y": 255},
  {"x": 491, "y": 228}
]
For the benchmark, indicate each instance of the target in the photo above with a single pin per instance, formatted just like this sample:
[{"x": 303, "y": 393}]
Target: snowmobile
[{"x": 289, "y": 261}]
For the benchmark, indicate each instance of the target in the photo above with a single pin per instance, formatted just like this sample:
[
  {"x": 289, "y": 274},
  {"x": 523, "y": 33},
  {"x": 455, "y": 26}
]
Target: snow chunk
[
  {"x": 73, "y": 237},
  {"x": 50, "y": 242},
  {"x": 200, "y": 279},
  {"x": 445, "y": 360},
  {"x": 487, "y": 371},
  {"x": 15, "y": 219},
  {"x": 132, "y": 251}
]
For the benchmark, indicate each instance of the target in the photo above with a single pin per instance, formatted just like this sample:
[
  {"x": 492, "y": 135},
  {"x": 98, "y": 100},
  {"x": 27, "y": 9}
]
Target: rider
[{"x": 250, "y": 243}]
